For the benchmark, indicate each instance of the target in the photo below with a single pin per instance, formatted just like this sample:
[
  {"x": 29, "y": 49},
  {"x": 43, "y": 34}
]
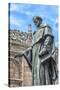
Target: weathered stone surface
[{"x": 20, "y": 72}]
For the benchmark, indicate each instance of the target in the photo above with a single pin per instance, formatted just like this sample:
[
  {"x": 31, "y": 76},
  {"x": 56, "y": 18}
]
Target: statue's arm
[
  {"x": 27, "y": 54},
  {"x": 47, "y": 46},
  {"x": 48, "y": 43}
]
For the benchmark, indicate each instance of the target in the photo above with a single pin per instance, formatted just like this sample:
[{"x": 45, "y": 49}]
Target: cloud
[
  {"x": 28, "y": 13},
  {"x": 47, "y": 12},
  {"x": 57, "y": 21},
  {"x": 27, "y": 9},
  {"x": 14, "y": 21},
  {"x": 56, "y": 43},
  {"x": 22, "y": 8},
  {"x": 13, "y": 7},
  {"x": 20, "y": 24}
]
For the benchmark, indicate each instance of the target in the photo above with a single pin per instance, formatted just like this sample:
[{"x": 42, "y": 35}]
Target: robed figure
[
  {"x": 44, "y": 70},
  {"x": 41, "y": 54}
]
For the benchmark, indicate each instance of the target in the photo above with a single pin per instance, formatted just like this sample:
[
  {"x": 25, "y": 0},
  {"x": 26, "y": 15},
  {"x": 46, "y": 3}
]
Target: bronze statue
[
  {"x": 43, "y": 61},
  {"x": 42, "y": 54}
]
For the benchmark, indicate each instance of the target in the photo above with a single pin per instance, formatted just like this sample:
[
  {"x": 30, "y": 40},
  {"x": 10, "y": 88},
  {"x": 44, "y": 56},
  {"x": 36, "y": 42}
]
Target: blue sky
[{"x": 21, "y": 15}]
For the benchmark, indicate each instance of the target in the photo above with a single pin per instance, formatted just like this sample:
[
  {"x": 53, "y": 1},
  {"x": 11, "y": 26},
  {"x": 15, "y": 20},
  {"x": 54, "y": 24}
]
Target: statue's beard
[{"x": 38, "y": 25}]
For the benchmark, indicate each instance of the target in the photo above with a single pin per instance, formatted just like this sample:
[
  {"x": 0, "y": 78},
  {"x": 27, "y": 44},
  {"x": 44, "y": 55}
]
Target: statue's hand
[
  {"x": 43, "y": 52},
  {"x": 21, "y": 53}
]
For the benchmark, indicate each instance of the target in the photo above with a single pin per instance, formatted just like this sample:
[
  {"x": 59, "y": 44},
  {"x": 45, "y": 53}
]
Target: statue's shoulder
[
  {"x": 43, "y": 30},
  {"x": 47, "y": 30}
]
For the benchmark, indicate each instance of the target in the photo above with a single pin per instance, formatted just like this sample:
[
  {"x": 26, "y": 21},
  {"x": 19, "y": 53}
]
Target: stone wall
[
  {"x": 27, "y": 76},
  {"x": 20, "y": 73}
]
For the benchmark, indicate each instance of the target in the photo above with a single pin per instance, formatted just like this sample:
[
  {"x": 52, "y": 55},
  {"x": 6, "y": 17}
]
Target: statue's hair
[{"x": 37, "y": 17}]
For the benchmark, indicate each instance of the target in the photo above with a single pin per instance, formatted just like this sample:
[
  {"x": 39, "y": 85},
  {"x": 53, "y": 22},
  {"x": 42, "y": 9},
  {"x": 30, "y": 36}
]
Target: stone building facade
[{"x": 20, "y": 73}]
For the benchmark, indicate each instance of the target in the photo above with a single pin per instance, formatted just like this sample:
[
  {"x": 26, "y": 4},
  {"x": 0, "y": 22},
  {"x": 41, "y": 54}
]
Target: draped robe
[{"x": 42, "y": 57}]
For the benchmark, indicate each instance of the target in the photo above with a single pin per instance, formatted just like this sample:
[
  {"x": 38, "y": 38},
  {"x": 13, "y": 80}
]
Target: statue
[
  {"x": 42, "y": 54},
  {"x": 43, "y": 61}
]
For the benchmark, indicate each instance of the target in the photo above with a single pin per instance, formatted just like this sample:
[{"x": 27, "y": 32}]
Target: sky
[{"x": 21, "y": 15}]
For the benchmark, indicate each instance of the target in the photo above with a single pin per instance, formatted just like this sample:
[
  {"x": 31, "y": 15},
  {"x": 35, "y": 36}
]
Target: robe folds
[{"x": 42, "y": 57}]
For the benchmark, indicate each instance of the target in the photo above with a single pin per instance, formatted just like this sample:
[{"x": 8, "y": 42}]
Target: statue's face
[{"x": 37, "y": 22}]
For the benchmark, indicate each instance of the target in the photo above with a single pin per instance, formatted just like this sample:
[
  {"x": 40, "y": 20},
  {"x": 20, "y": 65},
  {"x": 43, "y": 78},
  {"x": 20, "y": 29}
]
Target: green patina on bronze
[{"x": 43, "y": 61}]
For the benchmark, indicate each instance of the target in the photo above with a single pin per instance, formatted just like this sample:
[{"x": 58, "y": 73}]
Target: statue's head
[{"x": 37, "y": 21}]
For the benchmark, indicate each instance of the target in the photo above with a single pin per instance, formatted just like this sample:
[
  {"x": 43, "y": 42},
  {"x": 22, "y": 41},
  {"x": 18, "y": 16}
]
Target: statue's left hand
[{"x": 42, "y": 52}]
